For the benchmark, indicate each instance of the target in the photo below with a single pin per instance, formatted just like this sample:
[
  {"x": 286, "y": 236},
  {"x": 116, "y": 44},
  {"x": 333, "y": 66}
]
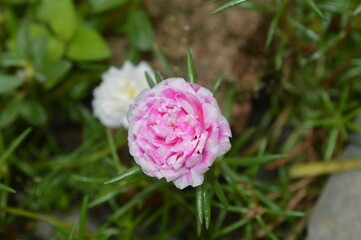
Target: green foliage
[
  {"x": 228, "y": 5},
  {"x": 191, "y": 74},
  {"x": 139, "y": 30},
  {"x": 61, "y": 17},
  {"x": 52, "y": 54},
  {"x": 9, "y": 83},
  {"x": 127, "y": 174},
  {"x": 87, "y": 45},
  {"x": 150, "y": 80},
  {"x": 104, "y": 5}
]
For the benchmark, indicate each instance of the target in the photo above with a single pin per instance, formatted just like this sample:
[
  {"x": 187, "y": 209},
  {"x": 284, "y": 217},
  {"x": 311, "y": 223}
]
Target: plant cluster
[{"x": 55, "y": 156}]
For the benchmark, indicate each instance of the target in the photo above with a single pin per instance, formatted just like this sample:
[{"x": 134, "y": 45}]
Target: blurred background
[{"x": 291, "y": 91}]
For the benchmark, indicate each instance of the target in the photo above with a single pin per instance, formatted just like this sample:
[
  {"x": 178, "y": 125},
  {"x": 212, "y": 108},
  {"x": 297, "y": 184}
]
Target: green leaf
[
  {"x": 206, "y": 204},
  {"x": 357, "y": 10},
  {"x": 10, "y": 112},
  {"x": 72, "y": 232},
  {"x": 10, "y": 59},
  {"x": 14, "y": 145},
  {"x": 140, "y": 30},
  {"x": 352, "y": 114},
  {"x": 38, "y": 49},
  {"x": 231, "y": 227},
  {"x": 149, "y": 80},
  {"x": 264, "y": 7},
  {"x": 9, "y": 83},
  {"x": 217, "y": 188},
  {"x": 14, "y": 2},
  {"x": 314, "y": 7},
  {"x": 55, "y": 50},
  {"x": 6, "y": 188},
  {"x": 33, "y": 112},
  {"x": 267, "y": 202},
  {"x": 228, "y": 5},
  {"x": 61, "y": 16},
  {"x": 191, "y": 74},
  {"x": 353, "y": 127},
  {"x": 133, "y": 171},
  {"x": 23, "y": 39},
  {"x": 83, "y": 218},
  {"x": 11, "y": 22},
  {"x": 136, "y": 199},
  {"x": 106, "y": 197},
  {"x": 301, "y": 29},
  {"x": 228, "y": 104},
  {"x": 113, "y": 149},
  {"x": 199, "y": 229},
  {"x": 54, "y": 72},
  {"x": 88, "y": 45},
  {"x": 199, "y": 203},
  {"x": 236, "y": 146},
  {"x": 287, "y": 213},
  {"x": 331, "y": 143},
  {"x": 99, "y": 6},
  {"x": 217, "y": 83},
  {"x": 158, "y": 77},
  {"x": 54, "y": 47},
  {"x": 343, "y": 99},
  {"x": 265, "y": 228},
  {"x": 273, "y": 26}
]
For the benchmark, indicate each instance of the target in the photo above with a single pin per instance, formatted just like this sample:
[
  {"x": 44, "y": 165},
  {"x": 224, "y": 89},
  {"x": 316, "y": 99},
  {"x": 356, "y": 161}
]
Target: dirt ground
[{"x": 231, "y": 42}]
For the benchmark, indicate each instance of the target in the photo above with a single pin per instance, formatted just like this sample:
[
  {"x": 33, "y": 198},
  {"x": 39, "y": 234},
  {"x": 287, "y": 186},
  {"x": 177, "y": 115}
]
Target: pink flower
[{"x": 176, "y": 131}]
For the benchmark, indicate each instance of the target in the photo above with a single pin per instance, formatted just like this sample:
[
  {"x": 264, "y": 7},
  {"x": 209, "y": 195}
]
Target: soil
[{"x": 231, "y": 42}]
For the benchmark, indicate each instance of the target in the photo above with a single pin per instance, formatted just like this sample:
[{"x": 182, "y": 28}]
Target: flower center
[{"x": 131, "y": 92}]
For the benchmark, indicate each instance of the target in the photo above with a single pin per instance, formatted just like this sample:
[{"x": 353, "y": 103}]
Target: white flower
[{"x": 117, "y": 91}]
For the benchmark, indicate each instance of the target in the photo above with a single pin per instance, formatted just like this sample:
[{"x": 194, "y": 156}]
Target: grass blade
[
  {"x": 273, "y": 26},
  {"x": 287, "y": 213},
  {"x": 228, "y": 105},
  {"x": 128, "y": 173},
  {"x": 241, "y": 141},
  {"x": 191, "y": 74},
  {"x": 265, "y": 228},
  {"x": 228, "y": 5},
  {"x": 14, "y": 145},
  {"x": 217, "y": 188},
  {"x": 331, "y": 143},
  {"x": 206, "y": 204},
  {"x": 357, "y": 11},
  {"x": 231, "y": 227},
  {"x": 158, "y": 77},
  {"x": 113, "y": 149},
  {"x": 6, "y": 188},
  {"x": 199, "y": 204},
  {"x": 105, "y": 197},
  {"x": 149, "y": 80},
  {"x": 72, "y": 232},
  {"x": 136, "y": 199},
  {"x": 217, "y": 83},
  {"x": 83, "y": 218},
  {"x": 315, "y": 8}
]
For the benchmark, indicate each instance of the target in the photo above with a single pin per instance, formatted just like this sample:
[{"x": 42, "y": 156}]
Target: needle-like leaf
[
  {"x": 228, "y": 5},
  {"x": 191, "y": 74},
  {"x": 128, "y": 173},
  {"x": 149, "y": 80}
]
